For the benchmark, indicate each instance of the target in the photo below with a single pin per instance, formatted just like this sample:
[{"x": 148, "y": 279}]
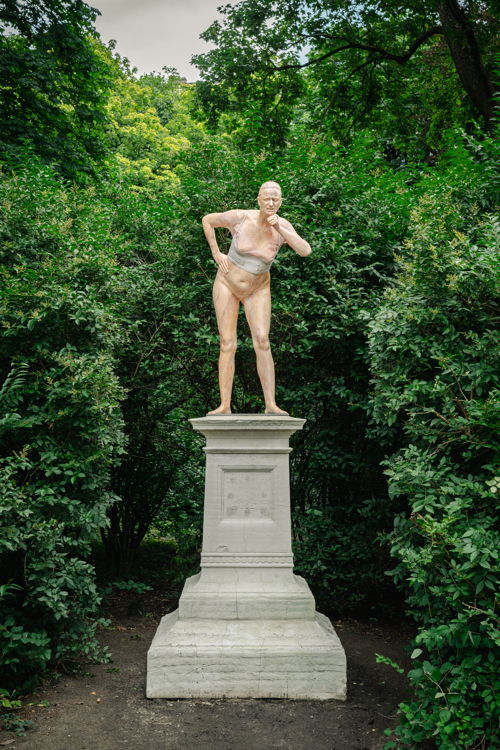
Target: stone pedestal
[{"x": 246, "y": 626}]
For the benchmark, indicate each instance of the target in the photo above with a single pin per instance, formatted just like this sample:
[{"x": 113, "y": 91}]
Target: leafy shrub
[
  {"x": 55, "y": 86},
  {"x": 61, "y": 428},
  {"x": 435, "y": 363},
  {"x": 354, "y": 210}
]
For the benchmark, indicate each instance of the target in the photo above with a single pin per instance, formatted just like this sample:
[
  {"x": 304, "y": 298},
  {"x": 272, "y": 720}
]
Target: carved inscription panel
[{"x": 247, "y": 494}]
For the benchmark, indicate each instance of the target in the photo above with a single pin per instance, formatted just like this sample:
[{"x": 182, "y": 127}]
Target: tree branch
[
  {"x": 343, "y": 84},
  {"x": 297, "y": 66},
  {"x": 382, "y": 53}
]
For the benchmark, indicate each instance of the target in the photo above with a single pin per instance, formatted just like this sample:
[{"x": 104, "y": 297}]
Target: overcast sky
[{"x": 154, "y": 33}]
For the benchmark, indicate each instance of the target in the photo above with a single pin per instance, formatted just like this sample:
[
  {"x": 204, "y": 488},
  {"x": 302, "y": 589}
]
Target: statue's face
[{"x": 269, "y": 200}]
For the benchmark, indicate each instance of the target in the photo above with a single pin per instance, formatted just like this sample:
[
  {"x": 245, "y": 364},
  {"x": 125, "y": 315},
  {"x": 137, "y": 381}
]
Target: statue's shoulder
[
  {"x": 247, "y": 213},
  {"x": 232, "y": 218},
  {"x": 242, "y": 213}
]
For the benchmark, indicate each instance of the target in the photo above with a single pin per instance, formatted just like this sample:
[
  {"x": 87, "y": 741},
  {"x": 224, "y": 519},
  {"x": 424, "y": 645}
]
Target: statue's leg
[
  {"x": 226, "y": 309},
  {"x": 258, "y": 314}
]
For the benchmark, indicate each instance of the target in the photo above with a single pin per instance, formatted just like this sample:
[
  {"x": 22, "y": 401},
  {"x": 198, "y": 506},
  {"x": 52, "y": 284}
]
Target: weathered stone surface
[
  {"x": 246, "y": 659},
  {"x": 246, "y": 594},
  {"x": 246, "y": 625}
]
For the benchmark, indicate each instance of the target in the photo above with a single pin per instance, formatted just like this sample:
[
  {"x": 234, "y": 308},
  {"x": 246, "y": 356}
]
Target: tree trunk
[{"x": 464, "y": 49}]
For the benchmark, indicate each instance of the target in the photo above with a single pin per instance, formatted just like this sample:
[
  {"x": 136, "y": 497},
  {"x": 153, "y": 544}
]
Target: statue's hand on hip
[{"x": 222, "y": 261}]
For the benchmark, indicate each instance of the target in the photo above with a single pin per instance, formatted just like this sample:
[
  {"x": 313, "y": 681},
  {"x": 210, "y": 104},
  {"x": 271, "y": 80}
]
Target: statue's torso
[{"x": 252, "y": 252}]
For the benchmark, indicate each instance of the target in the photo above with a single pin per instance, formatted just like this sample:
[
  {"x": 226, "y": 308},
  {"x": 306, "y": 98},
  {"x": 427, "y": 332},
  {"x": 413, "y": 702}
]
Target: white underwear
[{"x": 248, "y": 262}]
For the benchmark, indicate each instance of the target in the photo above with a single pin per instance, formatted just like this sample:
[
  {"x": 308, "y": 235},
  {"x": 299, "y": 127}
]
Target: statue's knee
[
  {"x": 228, "y": 345},
  {"x": 261, "y": 342}
]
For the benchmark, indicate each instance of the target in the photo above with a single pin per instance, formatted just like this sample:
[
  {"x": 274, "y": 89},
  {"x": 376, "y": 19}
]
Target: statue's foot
[
  {"x": 220, "y": 411},
  {"x": 276, "y": 411}
]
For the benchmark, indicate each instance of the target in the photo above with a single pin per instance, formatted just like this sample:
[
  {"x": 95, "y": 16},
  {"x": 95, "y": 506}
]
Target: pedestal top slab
[{"x": 247, "y": 423}]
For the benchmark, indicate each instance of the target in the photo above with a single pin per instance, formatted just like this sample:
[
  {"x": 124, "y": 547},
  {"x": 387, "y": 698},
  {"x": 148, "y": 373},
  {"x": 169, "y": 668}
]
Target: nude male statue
[{"x": 243, "y": 276}]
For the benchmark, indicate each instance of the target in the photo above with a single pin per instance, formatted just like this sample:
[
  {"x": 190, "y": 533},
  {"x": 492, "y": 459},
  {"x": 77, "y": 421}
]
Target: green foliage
[
  {"x": 54, "y": 85},
  {"x": 153, "y": 566},
  {"x": 9, "y": 719},
  {"x": 167, "y": 356},
  {"x": 61, "y": 428},
  {"x": 145, "y": 148},
  {"x": 135, "y": 587},
  {"x": 435, "y": 364},
  {"x": 318, "y": 338},
  {"x": 319, "y": 342},
  {"x": 408, "y": 72},
  {"x": 13, "y": 723},
  {"x": 162, "y": 364}
]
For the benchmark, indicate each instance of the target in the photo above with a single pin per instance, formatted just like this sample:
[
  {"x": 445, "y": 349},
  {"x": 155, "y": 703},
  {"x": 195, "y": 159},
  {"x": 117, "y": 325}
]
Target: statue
[{"x": 243, "y": 276}]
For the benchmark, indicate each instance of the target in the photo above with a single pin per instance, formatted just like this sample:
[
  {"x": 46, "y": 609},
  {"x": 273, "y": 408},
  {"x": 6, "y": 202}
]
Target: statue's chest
[{"x": 251, "y": 237}]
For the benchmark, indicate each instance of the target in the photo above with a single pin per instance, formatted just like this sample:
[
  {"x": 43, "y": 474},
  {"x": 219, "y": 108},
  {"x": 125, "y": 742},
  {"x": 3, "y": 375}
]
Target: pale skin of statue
[{"x": 259, "y": 230}]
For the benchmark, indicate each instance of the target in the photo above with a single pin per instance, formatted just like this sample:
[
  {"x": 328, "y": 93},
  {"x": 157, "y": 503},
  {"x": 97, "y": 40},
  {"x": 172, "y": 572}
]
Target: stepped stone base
[
  {"x": 246, "y": 594},
  {"x": 211, "y": 658}
]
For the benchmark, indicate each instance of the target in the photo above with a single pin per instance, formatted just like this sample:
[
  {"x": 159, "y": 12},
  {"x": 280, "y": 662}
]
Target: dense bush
[
  {"x": 354, "y": 209},
  {"x": 61, "y": 427},
  {"x": 318, "y": 339},
  {"x": 54, "y": 85},
  {"x": 435, "y": 364}
]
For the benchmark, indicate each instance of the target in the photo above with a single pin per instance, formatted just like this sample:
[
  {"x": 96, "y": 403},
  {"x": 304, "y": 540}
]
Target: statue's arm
[
  {"x": 290, "y": 236},
  {"x": 227, "y": 219}
]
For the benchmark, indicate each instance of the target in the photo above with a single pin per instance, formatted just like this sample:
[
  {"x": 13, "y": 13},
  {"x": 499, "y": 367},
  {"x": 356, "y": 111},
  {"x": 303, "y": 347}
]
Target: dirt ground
[{"x": 106, "y": 708}]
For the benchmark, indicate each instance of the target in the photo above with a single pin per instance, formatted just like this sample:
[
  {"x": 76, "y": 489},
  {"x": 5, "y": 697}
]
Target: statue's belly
[{"x": 243, "y": 283}]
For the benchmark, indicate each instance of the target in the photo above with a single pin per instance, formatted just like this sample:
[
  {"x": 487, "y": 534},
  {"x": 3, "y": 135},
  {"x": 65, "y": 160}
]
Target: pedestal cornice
[{"x": 247, "y": 422}]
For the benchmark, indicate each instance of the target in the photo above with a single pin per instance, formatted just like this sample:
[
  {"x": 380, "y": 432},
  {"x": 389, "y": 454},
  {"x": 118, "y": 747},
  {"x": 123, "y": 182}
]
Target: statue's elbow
[{"x": 307, "y": 250}]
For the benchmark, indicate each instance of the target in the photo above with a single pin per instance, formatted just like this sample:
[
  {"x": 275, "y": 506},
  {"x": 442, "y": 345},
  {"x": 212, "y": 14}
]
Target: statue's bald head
[
  {"x": 269, "y": 198},
  {"x": 270, "y": 185}
]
